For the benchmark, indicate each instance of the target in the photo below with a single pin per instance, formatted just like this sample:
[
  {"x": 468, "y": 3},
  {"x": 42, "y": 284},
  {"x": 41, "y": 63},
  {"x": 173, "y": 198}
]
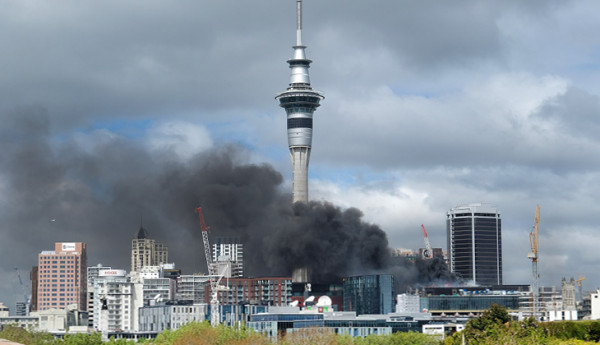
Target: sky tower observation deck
[{"x": 299, "y": 101}]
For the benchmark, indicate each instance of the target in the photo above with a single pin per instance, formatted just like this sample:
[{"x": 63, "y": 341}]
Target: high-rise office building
[
  {"x": 146, "y": 251},
  {"x": 62, "y": 276},
  {"x": 474, "y": 235}
]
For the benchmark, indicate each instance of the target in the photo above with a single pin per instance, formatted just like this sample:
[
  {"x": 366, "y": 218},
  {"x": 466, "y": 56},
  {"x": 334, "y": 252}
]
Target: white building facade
[
  {"x": 116, "y": 302},
  {"x": 595, "y": 303},
  {"x": 406, "y": 303},
  {"x": 92, "y": 274},
  {"x": 230, "y": 251}
]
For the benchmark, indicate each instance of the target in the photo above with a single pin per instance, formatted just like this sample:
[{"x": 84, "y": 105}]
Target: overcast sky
[{"x": 429, "y": 105}]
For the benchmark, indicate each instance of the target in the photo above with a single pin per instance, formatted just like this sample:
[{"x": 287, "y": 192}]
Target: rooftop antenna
[{"x": 298, "y": 23}]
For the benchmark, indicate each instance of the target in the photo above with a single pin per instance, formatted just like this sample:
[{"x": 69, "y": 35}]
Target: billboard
[
  {"x": 68, "y": 247},
  {"x": 112, "y": 273}
]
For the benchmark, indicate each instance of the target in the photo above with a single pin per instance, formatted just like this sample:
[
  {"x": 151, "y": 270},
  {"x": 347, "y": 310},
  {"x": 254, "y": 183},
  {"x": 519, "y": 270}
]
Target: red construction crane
[
  {"x": 215, "y": 276},
  {"x": 204, "y": 228},
  {"x": 428, "y": 251}
]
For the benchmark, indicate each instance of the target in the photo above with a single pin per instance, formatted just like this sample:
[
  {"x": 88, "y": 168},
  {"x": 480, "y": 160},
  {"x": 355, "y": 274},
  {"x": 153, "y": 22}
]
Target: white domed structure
[{"x": 324, "y": 301}]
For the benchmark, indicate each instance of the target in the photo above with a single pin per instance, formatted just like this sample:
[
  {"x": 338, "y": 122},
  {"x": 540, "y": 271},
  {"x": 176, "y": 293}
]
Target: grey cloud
[
  {"x": 576, "y": 111},
  {"x": 114, "y": 59}
]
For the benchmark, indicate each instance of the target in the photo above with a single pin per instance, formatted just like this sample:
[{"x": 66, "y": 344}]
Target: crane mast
[
  {"x": 214, "y": 276},
  {"x": 428, "y": 250},
  {"x": 533, "y": 255},
  {"x": 209, "y": 262},
  {"x": 25, "y": 295},
  {"x": 579, "y": 283}
]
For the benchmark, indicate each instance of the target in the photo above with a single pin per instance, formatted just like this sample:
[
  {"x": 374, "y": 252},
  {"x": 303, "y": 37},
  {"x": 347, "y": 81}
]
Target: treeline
[
  {"x": 204, "y": 334},
  {"x": 496, "y": 327},
  {"x": 493, "y": 327}
]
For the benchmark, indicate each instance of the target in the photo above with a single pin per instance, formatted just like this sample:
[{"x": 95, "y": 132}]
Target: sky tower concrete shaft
[{"x": 299, "y": 101}]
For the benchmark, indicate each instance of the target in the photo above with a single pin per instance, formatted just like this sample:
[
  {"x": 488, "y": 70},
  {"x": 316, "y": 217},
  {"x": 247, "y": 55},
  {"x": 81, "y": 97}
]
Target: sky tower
[{"x": 299, "y": 102}]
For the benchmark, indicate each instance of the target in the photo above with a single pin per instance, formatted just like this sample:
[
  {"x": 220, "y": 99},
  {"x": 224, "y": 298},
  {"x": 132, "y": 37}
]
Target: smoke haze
[{"x": 99, "y": 194}]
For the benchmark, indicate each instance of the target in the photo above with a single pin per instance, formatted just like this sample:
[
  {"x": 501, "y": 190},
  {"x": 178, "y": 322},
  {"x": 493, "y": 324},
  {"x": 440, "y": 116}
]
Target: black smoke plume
[{"x": 56, "y": 191}]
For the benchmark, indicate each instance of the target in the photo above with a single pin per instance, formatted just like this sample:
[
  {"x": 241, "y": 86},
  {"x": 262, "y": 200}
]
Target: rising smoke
[{"x": 97, "y": 194}]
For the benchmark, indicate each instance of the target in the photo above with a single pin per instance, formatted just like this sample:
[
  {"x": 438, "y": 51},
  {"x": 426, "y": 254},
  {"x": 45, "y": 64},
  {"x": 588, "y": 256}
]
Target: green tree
[
  {"x": 83, "y": 339},
  {"x": 496, "y": 315},
  {"x": 398, "y": 338},
  {"x": 202, "y": 333},
  {"x": 21, "y": 335},
  {"x": 122, "y": 341},
  {"x": 312, "y": 335},
  {"x": 495, "y": 327}
]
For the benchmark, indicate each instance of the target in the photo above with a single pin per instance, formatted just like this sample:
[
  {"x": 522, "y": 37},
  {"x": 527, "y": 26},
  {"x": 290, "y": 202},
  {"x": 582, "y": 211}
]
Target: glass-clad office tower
[
  {"x": 474, "y": 235},
  {"x": 369, "y": 294}
]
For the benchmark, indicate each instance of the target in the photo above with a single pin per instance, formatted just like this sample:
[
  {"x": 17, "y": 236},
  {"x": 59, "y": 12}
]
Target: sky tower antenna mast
[{"x": 298, "y": 22}]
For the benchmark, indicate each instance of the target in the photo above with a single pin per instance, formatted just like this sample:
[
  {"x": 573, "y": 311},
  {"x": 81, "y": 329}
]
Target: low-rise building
[
  {"x": 30, "y": 322},
  {"x": 275, "y": 323},
  {"x": 470, "y": 301},
  {"x": 4, "y": 311},
  {"x": 406, "y": 303},
  {"x": 470, "y": 305},
  {"x": 60, "y": 320},
  {"x": 442, "y": 330},
  {"x": 52, "y": 320},
  {"x": 173, "y": 315}
]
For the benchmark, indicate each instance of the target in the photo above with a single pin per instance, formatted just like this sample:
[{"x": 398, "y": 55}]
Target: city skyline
[{"x": 422, "y": 100}]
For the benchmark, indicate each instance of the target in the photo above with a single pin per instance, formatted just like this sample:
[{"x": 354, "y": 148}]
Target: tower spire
[{"x": 298, "y": 22}]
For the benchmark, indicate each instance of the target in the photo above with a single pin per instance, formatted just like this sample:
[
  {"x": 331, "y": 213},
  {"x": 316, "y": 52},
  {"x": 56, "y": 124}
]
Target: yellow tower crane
[
  {"x": 533, "y": 255},
  {"x": 579, "y": 283}
]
